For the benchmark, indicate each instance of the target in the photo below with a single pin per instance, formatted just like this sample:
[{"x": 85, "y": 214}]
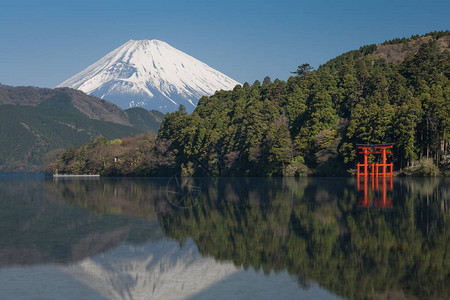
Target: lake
[{"x": 224, "y": 238}]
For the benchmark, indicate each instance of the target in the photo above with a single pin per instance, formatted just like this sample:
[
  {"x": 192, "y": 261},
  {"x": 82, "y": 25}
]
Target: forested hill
[
  {"x": 35, "y": 121},
  {"x": 396, "y": 92}
]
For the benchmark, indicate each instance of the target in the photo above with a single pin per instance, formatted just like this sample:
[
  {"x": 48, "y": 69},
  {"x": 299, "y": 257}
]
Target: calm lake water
[{"x": 241, "y": 238}]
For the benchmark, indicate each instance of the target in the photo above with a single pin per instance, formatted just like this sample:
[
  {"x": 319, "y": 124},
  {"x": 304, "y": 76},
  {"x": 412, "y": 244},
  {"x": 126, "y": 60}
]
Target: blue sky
[{"x": 42, "y": 43}]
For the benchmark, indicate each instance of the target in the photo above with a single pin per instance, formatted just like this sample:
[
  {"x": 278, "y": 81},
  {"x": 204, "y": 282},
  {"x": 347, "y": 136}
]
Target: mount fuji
[{"x": 150, "y": 74}]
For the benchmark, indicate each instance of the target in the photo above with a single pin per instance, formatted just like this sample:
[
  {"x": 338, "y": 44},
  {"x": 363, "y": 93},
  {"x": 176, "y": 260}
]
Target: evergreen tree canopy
[
  {"x": 289, "y": 127},
  {"x": 303, "y": 70}
]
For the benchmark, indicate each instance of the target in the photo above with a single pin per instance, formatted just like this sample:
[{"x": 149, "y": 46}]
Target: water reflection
[
  {"x": 315, "y": 229},
  {"x": 45, "y": 222},
  {"x": 125, "y": 238},
  {"x": 375, "y": 194}
]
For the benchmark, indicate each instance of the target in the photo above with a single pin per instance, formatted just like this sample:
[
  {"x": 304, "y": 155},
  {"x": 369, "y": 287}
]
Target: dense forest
[
  {"x": 396, "y": 92},
  {"x": 311, "y": 123}
]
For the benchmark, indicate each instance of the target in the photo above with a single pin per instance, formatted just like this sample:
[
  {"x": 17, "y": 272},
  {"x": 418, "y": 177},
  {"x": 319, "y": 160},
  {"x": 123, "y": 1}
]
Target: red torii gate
[{"x": 382, "y": 149}]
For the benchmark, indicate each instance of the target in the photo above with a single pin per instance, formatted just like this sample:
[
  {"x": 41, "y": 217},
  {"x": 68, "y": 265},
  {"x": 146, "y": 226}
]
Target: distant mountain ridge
[
  {"x": 35, "y": 121},
  {"x": 150, "y": 74},
  {"x": 93, "y": 107}
]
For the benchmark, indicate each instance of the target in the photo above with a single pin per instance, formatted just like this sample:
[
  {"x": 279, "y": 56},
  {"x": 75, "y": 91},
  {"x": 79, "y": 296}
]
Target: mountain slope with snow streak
[{"x": 150, "y": 74}]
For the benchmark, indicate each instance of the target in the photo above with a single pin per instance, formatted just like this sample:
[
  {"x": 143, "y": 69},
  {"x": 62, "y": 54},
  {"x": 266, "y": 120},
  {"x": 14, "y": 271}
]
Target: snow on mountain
[{"x": 150, "y": 74}]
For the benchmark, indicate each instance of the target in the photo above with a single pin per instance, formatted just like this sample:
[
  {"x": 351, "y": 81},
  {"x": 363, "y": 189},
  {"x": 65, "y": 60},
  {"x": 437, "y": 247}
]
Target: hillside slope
[
  {"x": 146, "y": 120},
  {"x": 35, "y": 121},
  {"x": 93, "y": 107}
]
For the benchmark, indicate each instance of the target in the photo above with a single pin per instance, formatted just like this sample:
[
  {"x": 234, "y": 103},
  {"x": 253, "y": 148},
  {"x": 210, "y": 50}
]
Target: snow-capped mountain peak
[{"x": 151, "y": 74}]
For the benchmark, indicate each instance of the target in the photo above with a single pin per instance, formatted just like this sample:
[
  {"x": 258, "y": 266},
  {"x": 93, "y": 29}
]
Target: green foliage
[
  {"x": 296, "y": 167},
  {"x": 116, "y": 141},
  {"x": 138, "y": 155},
  {"x": 423, "y": 167},
  {"x": 260, "y": 130},
  {"x": 303, "y": 69}
]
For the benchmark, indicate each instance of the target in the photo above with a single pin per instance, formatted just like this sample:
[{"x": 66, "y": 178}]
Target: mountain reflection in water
[{"x": 201, "y": 238}]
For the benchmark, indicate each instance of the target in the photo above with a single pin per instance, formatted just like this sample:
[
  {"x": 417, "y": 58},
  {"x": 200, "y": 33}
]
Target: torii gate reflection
[
  {"x": 383, "y": 200},
  {"x": 376, "y": 191}
]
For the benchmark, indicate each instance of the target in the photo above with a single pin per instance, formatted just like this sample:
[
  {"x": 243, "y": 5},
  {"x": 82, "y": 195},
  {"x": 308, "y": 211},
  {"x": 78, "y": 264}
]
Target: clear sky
[{"x": 44, "y": 42}]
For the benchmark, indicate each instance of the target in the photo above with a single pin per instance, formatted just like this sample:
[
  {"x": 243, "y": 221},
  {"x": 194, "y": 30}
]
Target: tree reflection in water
[{"x": 314, "y": 229}]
